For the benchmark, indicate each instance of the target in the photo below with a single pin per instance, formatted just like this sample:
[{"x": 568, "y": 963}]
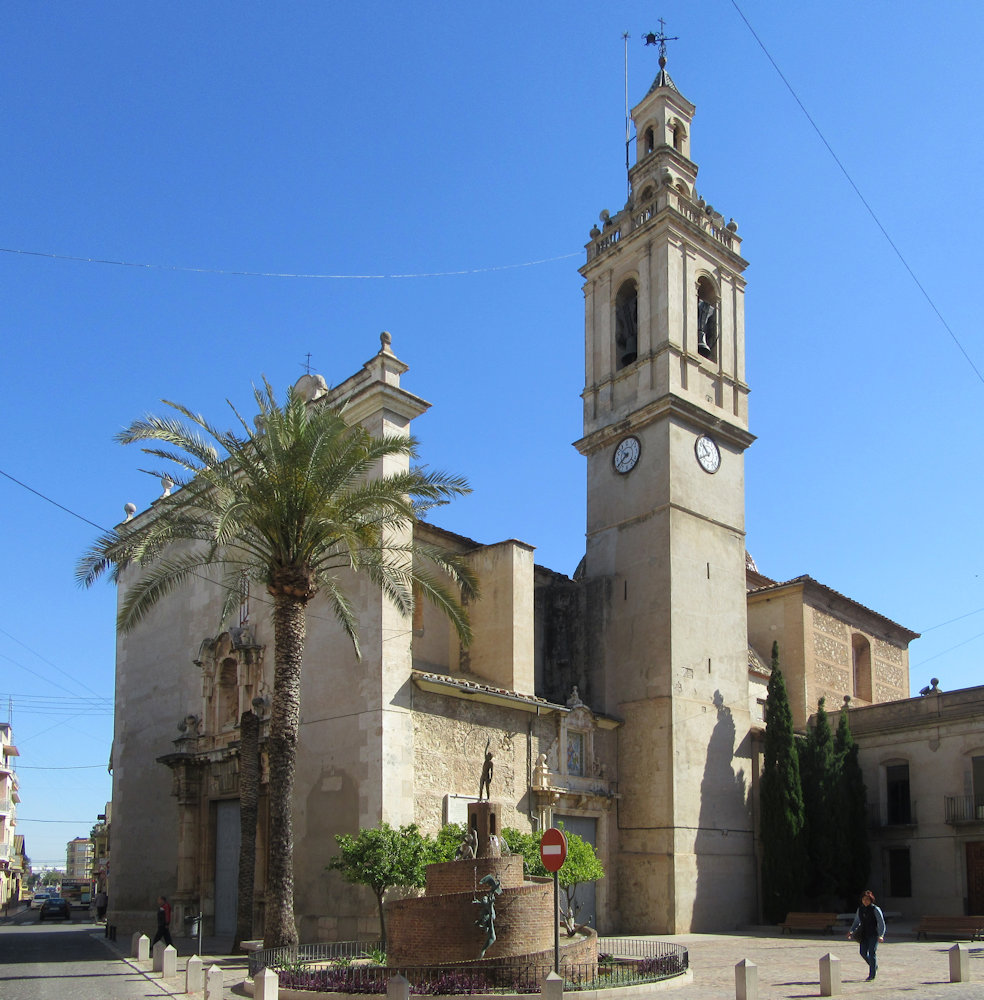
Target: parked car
[
  {"x": 38, "y": 899},
  {"x": 55, "y": 906}
]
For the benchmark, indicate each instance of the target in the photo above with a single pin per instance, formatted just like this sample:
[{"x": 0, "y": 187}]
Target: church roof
[
  {"x": 820, "y": 589},
  {"x": 663, "y": 79}
]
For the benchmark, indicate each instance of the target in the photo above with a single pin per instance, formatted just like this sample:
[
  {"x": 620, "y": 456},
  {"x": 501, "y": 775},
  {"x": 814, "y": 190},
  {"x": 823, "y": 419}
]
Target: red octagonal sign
[{"x": 553, "y": 849}]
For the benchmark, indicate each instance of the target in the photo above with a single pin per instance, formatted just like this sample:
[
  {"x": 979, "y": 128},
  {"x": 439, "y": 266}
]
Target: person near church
[
  {"x": 869, "y": 923},
  {"x": 101, "y": 901},
  {"x": 163, "y": 922}
]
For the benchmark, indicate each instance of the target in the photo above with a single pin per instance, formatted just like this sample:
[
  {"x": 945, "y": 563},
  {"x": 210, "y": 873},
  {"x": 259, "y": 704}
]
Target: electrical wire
[
  {"x": 287, "y": 274},
  {"x": 861, "y": 197}
]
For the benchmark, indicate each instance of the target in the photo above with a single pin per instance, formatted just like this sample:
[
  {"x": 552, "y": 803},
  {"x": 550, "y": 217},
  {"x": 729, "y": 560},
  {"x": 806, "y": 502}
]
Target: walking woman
[{"x": 869, "y": 922}]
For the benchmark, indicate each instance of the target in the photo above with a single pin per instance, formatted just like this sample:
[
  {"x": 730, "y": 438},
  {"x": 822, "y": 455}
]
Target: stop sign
[{"x": 553, "y": 849}]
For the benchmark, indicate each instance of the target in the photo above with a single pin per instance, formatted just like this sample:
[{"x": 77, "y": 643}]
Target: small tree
[
  {"x": 781, "y": 804},
  {"x": 853, "y": 850},
  {"x": 444, "y": 847},
  {"x": 382, "y": 858}
]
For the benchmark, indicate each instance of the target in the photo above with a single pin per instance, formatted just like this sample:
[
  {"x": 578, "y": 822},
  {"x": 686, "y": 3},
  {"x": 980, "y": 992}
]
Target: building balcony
[{"x": 959, "y": 809}]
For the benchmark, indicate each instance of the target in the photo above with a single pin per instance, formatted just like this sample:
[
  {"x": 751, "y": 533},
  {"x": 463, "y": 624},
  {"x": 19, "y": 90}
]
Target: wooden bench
[
  {"x": 952, "y": 927},
  {"x": 809, "y": 922}
]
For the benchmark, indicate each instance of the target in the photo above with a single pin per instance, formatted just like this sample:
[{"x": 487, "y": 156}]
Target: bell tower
[{"x": 665, "y": 430}]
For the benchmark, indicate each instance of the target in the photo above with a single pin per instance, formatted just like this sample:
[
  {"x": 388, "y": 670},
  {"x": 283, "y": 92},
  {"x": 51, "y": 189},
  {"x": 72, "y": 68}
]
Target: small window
[
  {"x": 678, "y": 134},
  {"x": 626, "y": 325},
  {"x": 650, "y": 140},
  {"x": 899, "y": 872},
  {"x": 707, "y": 324},
  {"x": 575, "y": 753},
  {"x": 899, "y": 807},
  {"x": 861, "y": 659}
]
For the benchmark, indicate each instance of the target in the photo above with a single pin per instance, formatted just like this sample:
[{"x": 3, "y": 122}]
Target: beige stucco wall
[{"x": 936, "y": 736}]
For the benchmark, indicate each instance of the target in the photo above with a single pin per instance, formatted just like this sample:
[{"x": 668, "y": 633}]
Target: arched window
[
  {"x": 678, "y": 134},
  {"x": 650, "y": 139},
  {"x": 707, "y": 320},
  {"x": 861, "y": 663},
  {"x": 626, "y": 324}
]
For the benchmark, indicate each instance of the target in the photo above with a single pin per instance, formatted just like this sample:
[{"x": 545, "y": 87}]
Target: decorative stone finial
[
  {"x": 167, "y": 484},
  {"x": 385, "y": 339},
  {"x": 129, "y": 509}
]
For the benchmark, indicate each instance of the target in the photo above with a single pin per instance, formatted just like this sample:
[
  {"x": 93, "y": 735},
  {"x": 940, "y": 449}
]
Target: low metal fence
[{"x": 627, "y": 962}]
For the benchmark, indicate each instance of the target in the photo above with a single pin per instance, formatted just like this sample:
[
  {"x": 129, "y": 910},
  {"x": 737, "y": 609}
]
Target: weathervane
[{"x": 660, "y": 39}]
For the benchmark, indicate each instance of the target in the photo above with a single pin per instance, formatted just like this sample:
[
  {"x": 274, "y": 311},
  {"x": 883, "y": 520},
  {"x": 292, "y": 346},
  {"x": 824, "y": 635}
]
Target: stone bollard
[
  {"x": 169, "y": 962},
  {"x": 213, "y": 984},
  {"x": 830, "y": 975},
  {"x": 266, "y": 985},
  {"x": 397, "y": 988},
  {"x": 552, "y": 987},
  {"x": 959, "y": 964},
  {"x": 158, "y": 955},
  {"x": 133, "y": 943},
  {"x": 195, "y": 975},
  {"x": 143, "y": 948},
  {"x": 746, "y": 980}
]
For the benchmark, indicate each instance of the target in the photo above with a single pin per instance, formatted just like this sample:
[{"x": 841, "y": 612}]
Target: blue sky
[{"x": 475, "y": 144}]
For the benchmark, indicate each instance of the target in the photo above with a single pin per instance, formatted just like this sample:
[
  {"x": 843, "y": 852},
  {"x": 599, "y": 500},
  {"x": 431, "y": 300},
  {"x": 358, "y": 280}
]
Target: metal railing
[
  {"x": 623, "y": 962},
  {"x": 963, "y": 808}
]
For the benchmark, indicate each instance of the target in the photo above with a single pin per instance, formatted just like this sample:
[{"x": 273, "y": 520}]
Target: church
[{"x": 625, "y": 702}]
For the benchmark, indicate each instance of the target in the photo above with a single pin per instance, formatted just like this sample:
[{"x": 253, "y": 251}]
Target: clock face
[
  {"x": 708, "y": 453},
  {"x": 626, "y": 455}
]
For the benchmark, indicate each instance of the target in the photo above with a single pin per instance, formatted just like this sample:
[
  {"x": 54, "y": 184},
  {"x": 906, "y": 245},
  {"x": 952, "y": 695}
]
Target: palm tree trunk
[
  {"x": 249, "y": 788},
  {"x": 289, "y": 633}
]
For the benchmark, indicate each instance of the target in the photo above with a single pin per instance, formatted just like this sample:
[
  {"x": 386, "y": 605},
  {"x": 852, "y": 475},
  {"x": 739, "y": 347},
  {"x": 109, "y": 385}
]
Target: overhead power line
[
  {"x": 289, "y": 274},
  {"x": 857, "y": 191}
]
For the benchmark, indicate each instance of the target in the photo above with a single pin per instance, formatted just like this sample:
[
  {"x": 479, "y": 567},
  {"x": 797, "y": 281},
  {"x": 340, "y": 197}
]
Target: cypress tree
[
  {"x": 781, "y": 804},
  {"x": 853, "y": 850},
  {"x": 818, "y": 773}
]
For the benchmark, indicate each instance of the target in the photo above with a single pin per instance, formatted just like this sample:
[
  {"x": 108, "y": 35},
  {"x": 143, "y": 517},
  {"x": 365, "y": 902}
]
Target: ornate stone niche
[{"x": 232, "y": 677}]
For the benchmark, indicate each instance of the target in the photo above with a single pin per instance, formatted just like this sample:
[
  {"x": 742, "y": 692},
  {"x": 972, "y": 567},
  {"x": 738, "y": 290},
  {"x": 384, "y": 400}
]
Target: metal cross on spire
[{"x": 660, "y": 39}]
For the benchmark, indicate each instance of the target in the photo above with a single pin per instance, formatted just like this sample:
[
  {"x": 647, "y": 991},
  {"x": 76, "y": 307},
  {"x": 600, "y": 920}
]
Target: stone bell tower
[{"x": 665, "y": 430}]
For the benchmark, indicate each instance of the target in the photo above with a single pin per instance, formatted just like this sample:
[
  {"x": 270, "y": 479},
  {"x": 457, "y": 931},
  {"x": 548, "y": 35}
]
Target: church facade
[{"x": 625, "y": 702}]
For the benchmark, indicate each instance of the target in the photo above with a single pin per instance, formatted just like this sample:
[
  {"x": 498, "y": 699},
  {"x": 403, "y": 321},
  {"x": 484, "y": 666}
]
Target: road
[{"x": 57, "y": 960}]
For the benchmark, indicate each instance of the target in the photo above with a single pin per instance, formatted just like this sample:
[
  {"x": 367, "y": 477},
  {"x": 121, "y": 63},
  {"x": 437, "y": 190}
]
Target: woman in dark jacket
[{"x": 871, "y": 922}]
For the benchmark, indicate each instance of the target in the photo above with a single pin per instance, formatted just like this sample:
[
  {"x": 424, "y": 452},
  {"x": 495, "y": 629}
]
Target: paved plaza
[{"x": 789, "y": 965}]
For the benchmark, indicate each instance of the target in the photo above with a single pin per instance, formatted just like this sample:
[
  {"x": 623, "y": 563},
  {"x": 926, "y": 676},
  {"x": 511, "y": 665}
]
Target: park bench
[
  {"x": 952, "y": 927},
  {"x": 809, "y": 922}
]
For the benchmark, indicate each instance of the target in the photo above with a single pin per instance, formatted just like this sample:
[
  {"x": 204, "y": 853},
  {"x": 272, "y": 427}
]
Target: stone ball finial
[
  {"x": 385, "y": 339},
  {"x": 732, "y": 226},
  {"x": 129, "y": 509},
  {"x": 167, "y": 484}
]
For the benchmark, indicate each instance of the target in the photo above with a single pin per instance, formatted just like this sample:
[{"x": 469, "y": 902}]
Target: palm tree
[{"x": 298, "y": 503}]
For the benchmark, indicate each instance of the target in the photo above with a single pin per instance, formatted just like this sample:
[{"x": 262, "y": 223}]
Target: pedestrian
[
  {"x": 869, "y": 922},
  {"x": 102, "y": 901},
  {"x": 163, "y": 922}
]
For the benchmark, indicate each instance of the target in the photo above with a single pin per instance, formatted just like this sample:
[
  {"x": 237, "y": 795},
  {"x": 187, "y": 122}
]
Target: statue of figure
[
  {"x": 486, "y": 919},
  {"x": 468, "y": 847},
  {"x": 485, "y": 781}
]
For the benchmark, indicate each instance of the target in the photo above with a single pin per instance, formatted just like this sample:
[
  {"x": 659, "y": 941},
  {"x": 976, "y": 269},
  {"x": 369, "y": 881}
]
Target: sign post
[{"x": 553, "y": 854}]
